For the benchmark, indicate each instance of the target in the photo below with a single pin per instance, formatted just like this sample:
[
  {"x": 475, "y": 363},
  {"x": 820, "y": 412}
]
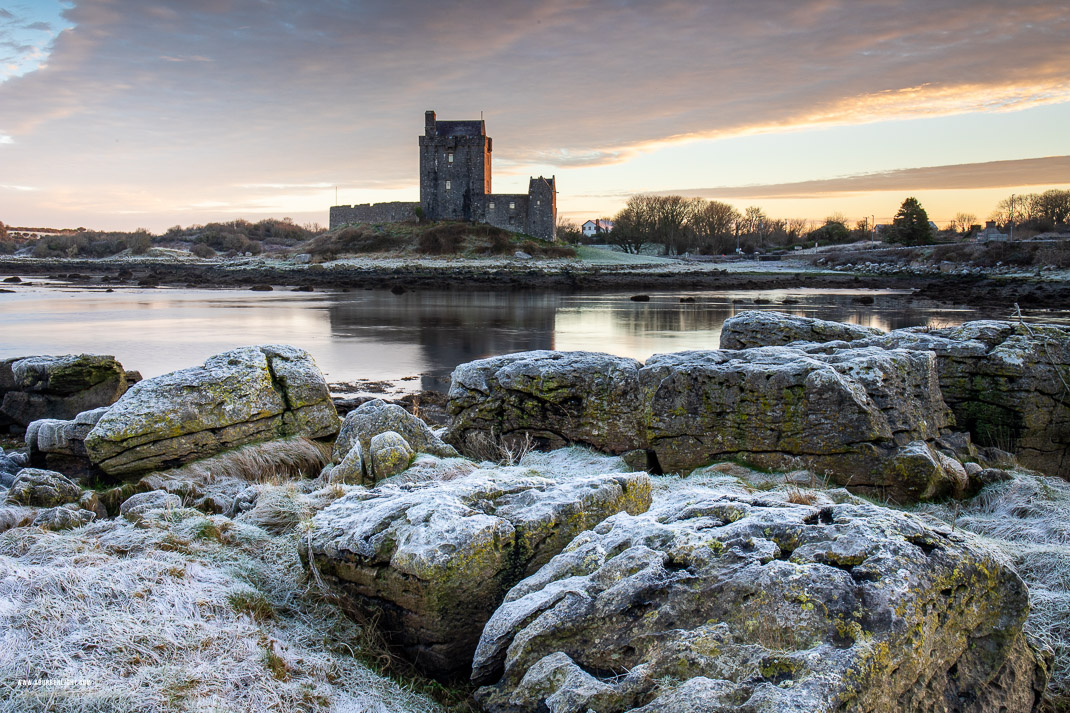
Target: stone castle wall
[{"x": 372, "y": 213}]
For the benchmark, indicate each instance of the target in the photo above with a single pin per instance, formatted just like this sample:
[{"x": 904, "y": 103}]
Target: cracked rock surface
[
  {"x": 847, "y": 414},
  {"x": 556, "y": 398},
  {"x": 431, "y": 561},
  {"x": 1008, "y": 384},
  {"x": 241, "y": 396},
  {"x": 718, "y": 599}
]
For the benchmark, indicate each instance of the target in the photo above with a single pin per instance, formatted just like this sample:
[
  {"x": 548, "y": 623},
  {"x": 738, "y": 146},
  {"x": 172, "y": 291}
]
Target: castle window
[
  {"x": 449, "y": 157},
  {"x": 490, "y": 206},
  {"x": 447, "y": 185},
  {"x": 538, "y": 202},
  {"x": 512, "y": 205}
]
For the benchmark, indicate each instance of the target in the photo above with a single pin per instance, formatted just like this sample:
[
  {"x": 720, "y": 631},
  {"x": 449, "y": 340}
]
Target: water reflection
[{"x": 377, "y": 335}]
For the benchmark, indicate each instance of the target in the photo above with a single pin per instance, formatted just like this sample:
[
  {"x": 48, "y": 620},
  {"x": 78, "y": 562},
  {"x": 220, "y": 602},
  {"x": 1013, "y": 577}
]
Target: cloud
[
  {"x": 188, "y": 97},
  {"x": 286, "y": 186},
  {"x": 5, "y": 139},
  {"x": 1050, "y": 170},
  {"x": 7, "y": 187}
]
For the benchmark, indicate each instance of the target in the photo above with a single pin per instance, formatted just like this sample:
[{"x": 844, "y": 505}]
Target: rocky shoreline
[
  {"x": 732, "y": 529},
  {"x": 977, "y": 290}
]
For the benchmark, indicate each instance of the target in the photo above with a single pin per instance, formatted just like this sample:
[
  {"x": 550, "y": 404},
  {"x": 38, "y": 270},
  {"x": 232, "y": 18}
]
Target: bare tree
[
  {"x": 633, "y": 226},
  {"x": 962, "y": 222},
  {"x": 713, "y": 223}
]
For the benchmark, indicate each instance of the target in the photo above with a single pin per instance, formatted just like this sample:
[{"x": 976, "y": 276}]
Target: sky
[{"x": 117, "y": 114}]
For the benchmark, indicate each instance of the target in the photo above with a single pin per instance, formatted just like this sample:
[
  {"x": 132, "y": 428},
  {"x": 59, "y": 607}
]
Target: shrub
[
  {"x": 441, "y": 240},
  {"x": 202, "y": 250},
  {"x": 139, "y": 242}
]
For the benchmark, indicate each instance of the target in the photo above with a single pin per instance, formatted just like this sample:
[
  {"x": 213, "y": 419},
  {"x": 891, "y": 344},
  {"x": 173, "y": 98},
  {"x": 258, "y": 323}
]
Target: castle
[{"x": 455, "y": 165}]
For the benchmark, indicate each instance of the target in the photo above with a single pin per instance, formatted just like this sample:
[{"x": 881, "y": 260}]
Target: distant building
[
  {"x": 596, "y": 226},
  {"x": 455, "y": 172},
  {"x": 991, "y": 232}
]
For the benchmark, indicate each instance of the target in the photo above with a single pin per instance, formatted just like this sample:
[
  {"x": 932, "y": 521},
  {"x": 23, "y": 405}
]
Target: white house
[{"x": 596, "y": 226}]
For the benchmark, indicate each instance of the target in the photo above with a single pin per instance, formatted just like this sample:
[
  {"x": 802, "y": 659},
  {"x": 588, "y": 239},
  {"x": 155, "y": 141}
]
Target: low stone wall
[{"x": 372, "y": 213}]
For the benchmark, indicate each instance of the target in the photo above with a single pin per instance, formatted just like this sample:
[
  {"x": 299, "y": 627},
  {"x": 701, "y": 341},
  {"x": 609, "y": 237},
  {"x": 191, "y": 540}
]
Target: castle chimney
[{"x": 429, "y": 123}]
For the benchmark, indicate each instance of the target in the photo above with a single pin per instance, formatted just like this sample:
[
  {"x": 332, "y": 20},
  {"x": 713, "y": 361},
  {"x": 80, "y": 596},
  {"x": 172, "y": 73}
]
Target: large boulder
[
  {"x": 553, "y": 398},
  {"x": 372, "y": 418},
  {"x": 1007, "y": 383},
  {"x": 42, "y": 488},
  {"x": 242, "y": 396},
  {"x": 844, "y": 414},
  {"x": 430, "y": 562},
  {"x": 755, "y": 328},
  {"x": 60, "y": 444},
  {"x": 716, "y": 601},
  {"x": 58, "y": 387}
]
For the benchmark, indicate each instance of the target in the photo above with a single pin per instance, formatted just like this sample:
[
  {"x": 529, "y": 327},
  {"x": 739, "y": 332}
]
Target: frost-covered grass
[
  {"x": 1028, "y": 520},
  {"x": 183, "y": 612}
]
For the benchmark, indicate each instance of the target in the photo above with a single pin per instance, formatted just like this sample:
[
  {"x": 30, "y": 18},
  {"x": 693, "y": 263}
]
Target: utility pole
[{"x": 1011, "y": 219}]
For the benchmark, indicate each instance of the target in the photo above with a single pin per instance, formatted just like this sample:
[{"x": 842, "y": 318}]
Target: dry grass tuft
[
  {"x": 279, "y": 510},
  {"x": 274, "y": 462}
]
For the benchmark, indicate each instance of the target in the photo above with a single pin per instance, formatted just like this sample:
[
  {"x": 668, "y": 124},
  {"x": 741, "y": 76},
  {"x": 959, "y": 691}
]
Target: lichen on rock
[
  {"x": 242, "y": 396},
  {"x": 716, "y": 600},
  {"x": 429, "y": 562}
]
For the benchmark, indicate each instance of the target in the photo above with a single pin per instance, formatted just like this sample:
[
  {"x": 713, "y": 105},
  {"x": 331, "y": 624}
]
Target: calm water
[{"x": 376, "y": 335}]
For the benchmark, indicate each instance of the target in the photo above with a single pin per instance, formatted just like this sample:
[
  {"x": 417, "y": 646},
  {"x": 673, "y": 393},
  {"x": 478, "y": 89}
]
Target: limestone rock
[
  {"x": 1005, "y": 382},
  {"x": 431, "y": 562},
  {"x": 390, "y": 455},
  {"x": 60, "y": 444},
  {"x": 351, "y": 469},
  {"x": 136, "y": 506},
  {"x": 716, "y": 601},
  {"x": 8, "y": 469},
  {"x": 242, "y": 396},
  {"x": 555, "y": 398},
  {"x": 376, "y": 416},
  {"x": 757, "y": 328},
  {"x": 42, "y": 488},
  {"x": 844, "y": 414},
  {"x": 58, "y": 387},
  {"x": 1007, "y": 385},
  {"x": 63, "y": 518}
]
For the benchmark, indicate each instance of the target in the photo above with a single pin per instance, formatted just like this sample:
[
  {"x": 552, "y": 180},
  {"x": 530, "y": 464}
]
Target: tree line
[
  {"x": 708, "y": 227},
  {"x": 695, "y": 225}
]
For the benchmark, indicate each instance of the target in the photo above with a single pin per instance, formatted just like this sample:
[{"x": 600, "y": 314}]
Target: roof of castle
[{"x": 470, "y": 128}]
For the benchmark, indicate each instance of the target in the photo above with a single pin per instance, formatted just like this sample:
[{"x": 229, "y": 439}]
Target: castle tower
[
  {"x": 542, "y": 208},
  {"x": 454, "y": 169}
]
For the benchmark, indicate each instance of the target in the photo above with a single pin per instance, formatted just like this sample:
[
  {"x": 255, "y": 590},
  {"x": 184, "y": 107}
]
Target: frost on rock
[
  {"x": 1005, "y": 382},
  {"x": 718, "y": 600},
  {"x": 429, "y": 562},
  {"x": 376, "y": 416}
]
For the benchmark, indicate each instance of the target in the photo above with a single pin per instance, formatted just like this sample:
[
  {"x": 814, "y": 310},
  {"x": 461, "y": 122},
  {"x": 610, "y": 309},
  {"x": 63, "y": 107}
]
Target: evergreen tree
[{"x": 911, "y": 225}]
